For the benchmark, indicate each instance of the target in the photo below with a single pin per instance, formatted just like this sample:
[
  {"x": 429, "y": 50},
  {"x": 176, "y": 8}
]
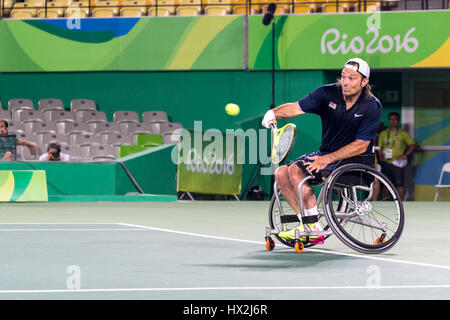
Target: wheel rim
[{"x": 370, "y": 219}]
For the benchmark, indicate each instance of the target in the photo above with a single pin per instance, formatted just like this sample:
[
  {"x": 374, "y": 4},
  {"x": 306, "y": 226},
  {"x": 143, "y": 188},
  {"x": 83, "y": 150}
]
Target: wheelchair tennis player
[{"x": 350, "y": 116}]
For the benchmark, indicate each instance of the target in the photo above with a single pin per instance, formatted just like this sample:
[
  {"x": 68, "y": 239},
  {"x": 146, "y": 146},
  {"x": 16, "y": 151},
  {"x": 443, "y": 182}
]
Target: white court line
[
  {"x": 122, "y": 229},
  {"x": 306, "y": 249},
  {"x": 227, "y": 289}
]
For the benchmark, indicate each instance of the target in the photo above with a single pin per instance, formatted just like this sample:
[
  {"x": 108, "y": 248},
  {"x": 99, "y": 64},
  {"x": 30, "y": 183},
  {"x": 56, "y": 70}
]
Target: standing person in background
[{"x": 395, "y": 145}]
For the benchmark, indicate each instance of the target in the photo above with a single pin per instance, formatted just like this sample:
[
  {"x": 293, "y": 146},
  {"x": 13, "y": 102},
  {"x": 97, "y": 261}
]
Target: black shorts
[
  {"x": 394, "y": 173},
  {"x": 325, "y": 172}
]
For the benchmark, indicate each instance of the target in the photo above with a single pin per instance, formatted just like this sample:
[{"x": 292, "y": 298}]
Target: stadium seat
[
  {"x": 26, "y": 116},
  {"x": 332, "y": 7},
  {"x": 5, "y": 115},
  {"x": 115, "y": 139},
  {"x": 133, "y": 8},
  {"x": 83, "y": 139},
  {"x": 106, "y": 9},
  {"x": 26, "y": 136},
  {"x": 44, "y": 138},
  {"x": 189, "y": 8},
  {"x": 59, "y": 116},
  {"x": 55, "y": 9},
  {"x": 73, "y": 151},
  {"x": 169, "y": 127},
  {"x": 50, "y": 104},
  {"x": 90, "y": 116},
  {"x": 6, "y": 6},
  {"x": 135, "y": 129},
  {"x": 154, "y": 116},
  {"x": 44, "y": 127},
  {"x": 16, "y": 127},
  {"x": 218, "y": 7},
  {"x": 106, "y": 127},
  {"x": 149, "y": 140},
  {"x": 241, "y": 9},
  {"x": 25, "y": 10},
  {"x": 172, "y": 137},
  {"x": 82, "y": 105},
  {"x": 20, "y": 104},
  {"x": 26, "y": 153},
  {"x": 75, "y": 12},
  {"x": 125, "y": 116},
  {"x": 163, "y": 8},
  {"x": 304, "y": 6},
  {"x": 130, "y": 149},
  {"x": 75, "y": 128},
  {"x": 102, "y": 153},
  {"x": 282, "y": 6}
]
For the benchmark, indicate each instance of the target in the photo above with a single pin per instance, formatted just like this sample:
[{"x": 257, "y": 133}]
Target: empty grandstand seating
[
  {"x": 102, "y": 153},
  {"x": 5, "y": 115},
  {"x": 50, "y": 104},
  {"x": 106, "y": 9},
  {"x": 82, "y": 104},
  {"x": 55, "y": 9},
  {"x": 84, "y": 132},
  {"x": 218, "y": 7},
  {"x": 154, "y": 116},
  {"x": 189, "y": 7},
  {"x": 20, "y": 104},
  {"x": 126, "y": 116},
  {"x": 133, "y": 8},
  {"x": 163, "y": 8}
]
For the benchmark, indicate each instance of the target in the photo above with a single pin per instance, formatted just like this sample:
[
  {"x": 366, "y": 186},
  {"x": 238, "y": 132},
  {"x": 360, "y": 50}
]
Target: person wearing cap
[{"x": 350, "y": 116}]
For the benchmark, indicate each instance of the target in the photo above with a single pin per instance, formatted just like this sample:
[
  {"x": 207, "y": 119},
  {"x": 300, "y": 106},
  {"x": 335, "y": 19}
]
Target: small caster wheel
[
  {"x": 270, "y": 244},
  {"x": 381, "y": 239},
  {"x": 299, "y": 246}
]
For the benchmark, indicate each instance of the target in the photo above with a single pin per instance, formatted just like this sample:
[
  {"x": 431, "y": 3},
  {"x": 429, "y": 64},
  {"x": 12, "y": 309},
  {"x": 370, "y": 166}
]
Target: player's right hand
[{"x": 269, "y": 118}]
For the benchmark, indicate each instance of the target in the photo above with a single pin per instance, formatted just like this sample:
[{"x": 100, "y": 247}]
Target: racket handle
[{"x": 273, "y": 126}]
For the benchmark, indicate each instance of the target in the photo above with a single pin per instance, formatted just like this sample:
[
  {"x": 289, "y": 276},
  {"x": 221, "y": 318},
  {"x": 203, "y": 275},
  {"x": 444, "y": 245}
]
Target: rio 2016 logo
[{"x": 333, "y": 42}]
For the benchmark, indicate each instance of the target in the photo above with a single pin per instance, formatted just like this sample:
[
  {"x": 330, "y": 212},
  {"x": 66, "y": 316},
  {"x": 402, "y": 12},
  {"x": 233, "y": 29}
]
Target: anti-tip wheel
[
  {"x": 299, "y": 246},
  {"x": 270, "y": 244}
]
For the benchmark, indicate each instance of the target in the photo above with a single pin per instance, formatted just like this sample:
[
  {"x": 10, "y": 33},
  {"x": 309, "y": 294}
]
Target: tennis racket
[{"x": 283, "y": 141}]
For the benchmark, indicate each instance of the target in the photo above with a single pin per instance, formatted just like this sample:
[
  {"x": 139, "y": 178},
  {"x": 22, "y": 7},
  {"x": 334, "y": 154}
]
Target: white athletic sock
[{"x": 313, "y": 212}]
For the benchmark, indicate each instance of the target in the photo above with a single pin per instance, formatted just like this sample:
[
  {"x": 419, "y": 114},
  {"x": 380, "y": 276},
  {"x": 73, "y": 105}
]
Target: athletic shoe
[{"x": 313, "y": 239}]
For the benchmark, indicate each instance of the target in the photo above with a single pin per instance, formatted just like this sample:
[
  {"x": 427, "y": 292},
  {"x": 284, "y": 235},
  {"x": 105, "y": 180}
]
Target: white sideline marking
[
  {"x": 228, "y": 289},
  {"x": 306, "y": 249}
]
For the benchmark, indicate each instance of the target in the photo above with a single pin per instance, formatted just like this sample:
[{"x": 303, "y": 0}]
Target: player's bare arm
[
  {"x": 352, "y": 149},
  {"x": 288, "y": 110}
]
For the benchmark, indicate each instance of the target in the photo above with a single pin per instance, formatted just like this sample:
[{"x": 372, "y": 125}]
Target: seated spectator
[
  {"x": 8, "y": 144},
  {"x": 54, "y": 153}
]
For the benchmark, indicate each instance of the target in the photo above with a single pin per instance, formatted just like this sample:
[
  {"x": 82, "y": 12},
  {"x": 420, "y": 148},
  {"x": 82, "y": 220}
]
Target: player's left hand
[{"x": 318, "y": 163}]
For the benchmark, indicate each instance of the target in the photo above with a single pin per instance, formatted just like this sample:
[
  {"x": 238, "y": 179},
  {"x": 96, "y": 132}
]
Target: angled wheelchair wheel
[
  {"x": 283, "y": 218},
  {"x": 363, "y": 223}
]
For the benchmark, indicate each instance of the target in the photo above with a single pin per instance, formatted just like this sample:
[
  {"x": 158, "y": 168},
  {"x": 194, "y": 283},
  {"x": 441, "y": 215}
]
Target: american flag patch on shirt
[{"x": 332, "y": 105}]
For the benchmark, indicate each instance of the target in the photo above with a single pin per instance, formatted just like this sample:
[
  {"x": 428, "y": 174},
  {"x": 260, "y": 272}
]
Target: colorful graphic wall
[
  {"x": 385, "y": 40},
  {"x": 23, "y": 185}
]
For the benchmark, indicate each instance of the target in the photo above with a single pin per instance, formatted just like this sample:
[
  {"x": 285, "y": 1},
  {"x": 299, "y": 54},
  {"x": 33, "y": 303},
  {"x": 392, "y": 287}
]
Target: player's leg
[{"x": 287, "y": 189}]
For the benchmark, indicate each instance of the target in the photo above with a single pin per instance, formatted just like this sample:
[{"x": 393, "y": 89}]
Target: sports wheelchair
[{"x": 346, "y": 209}]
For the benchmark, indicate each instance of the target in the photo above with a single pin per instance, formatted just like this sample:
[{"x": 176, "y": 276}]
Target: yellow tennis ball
[{"x": 232, "y": 109}]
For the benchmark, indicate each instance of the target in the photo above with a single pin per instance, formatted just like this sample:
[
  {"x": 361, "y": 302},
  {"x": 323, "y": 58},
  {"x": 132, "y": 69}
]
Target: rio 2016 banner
[
  {"x": 384, "y": 40},
  {"x": 23, "y": 185},
  {"x": 209, "y": 162},
  {"x": 181, "y": 43}
]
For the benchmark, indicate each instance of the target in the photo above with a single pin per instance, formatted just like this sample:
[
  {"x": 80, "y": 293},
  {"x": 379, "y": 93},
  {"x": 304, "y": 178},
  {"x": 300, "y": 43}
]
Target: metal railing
[{"x": 159, "y": 7}]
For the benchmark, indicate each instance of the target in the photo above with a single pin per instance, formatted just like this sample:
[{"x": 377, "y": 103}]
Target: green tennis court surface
[{"x": 206, "y": 250}]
